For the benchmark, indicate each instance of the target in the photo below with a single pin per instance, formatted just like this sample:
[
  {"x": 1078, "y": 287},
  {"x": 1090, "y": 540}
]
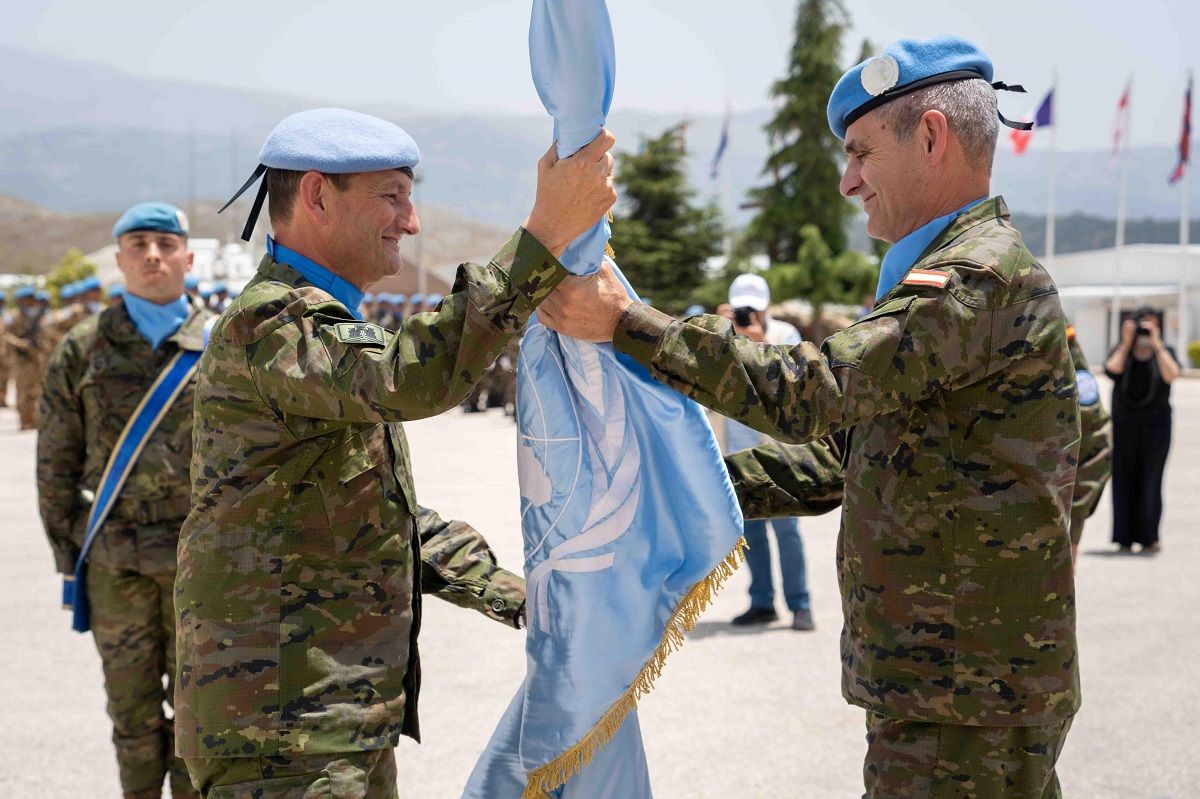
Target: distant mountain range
[{"x": 79, "y": 137}]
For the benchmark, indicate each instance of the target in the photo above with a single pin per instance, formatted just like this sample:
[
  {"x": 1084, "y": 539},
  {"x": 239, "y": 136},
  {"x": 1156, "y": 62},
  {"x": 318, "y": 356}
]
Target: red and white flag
[{"x": 1121, "y": 123}]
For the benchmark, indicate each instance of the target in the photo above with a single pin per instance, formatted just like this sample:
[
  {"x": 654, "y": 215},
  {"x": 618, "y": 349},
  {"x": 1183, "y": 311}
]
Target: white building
[{"x": 1144, "y": 274}]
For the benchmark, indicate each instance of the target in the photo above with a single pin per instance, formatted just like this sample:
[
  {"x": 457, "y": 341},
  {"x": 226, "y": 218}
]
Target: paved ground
[{"x": 736, "y": 715}]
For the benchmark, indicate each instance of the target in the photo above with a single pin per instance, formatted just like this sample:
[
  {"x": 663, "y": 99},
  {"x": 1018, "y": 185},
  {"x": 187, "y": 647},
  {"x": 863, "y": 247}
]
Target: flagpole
[
  {"x": 1184, "y": 234},
  {"x": 1125, "y": 124},
  {"x": 1050, "y": 194}
]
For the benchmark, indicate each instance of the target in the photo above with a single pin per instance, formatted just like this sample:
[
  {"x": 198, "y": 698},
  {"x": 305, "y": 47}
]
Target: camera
[
  {"x": 744, "y": 316},
  {"x": 1141, "y": 317}
]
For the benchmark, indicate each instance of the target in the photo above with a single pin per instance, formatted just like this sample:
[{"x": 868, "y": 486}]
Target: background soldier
[
  {"x": 26, "y": 342},
  {"x": 302, "y": 563},
  {"x": 97, "y": 377},
  {"x": 957, "y": 400},
  {"x": 1095, "y": 444},
  {"x": 5, "y": 358}
]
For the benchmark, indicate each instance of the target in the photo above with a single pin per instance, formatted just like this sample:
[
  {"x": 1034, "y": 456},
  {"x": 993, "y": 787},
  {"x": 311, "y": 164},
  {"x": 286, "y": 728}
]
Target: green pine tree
[
  {"x": 660, "y": 239},
  {"x": 804, "y": 166},
  {"x": 821, "y": 276}
]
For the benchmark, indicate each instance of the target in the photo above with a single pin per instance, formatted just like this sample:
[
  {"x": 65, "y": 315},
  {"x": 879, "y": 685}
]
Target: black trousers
[{"x": 1139, "y": 457}]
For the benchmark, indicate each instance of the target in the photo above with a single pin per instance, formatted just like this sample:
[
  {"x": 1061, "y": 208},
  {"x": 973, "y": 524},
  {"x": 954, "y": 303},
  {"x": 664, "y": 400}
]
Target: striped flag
[
  {"x": 721, "y": 146},
  {"x": 1185, "y": 137},
  {"x": 1042, "y": 118},
  {"x": 1121, "y": 124}
]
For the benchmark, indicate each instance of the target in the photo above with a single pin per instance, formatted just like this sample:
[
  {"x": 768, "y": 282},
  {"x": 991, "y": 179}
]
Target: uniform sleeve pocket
[{"x": 870, "y": 344}]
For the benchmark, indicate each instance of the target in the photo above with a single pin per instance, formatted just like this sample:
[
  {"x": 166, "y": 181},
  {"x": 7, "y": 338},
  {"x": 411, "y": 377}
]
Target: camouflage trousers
[
  {"x": 924, "y": 760},
  {"x": 28, "y": 375},
  {"x": 133, "y": 625},
  {"x": 338, "y": 775}
]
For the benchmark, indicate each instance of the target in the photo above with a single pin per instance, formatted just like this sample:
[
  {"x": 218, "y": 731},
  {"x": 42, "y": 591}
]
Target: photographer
[
  {"x": 749, "y": 297},
  {"x": 1142, "y": 369}
]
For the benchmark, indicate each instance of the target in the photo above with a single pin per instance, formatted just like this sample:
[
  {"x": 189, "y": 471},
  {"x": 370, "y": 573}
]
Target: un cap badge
[
  {"x": 880, "y": 74},
  {"x": 361, "y": 333}
]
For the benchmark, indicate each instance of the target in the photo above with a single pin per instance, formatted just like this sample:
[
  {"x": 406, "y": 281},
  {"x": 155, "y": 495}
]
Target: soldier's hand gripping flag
[{"x": 629, "y": 519}]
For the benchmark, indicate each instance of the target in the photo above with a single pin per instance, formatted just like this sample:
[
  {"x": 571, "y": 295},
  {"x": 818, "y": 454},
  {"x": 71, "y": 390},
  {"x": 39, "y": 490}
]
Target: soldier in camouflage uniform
[
  {"x": 97, "y": 377},
  {"x": 304, "y": 557},
  {"x": 26, "y": 340},
  {"x": 1095, "y": 445},
  {"x": 5, "y": 358},
  {"x": 956, "y": 434}
]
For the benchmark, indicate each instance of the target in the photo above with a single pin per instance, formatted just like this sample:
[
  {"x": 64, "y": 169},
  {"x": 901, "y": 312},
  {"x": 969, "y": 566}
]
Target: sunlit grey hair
[{"x": 970, "y": 110}]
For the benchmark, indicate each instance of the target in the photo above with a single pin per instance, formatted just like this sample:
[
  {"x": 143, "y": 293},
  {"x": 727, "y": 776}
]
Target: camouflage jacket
[
  {"x": 957, "y": 399},
  {"x": 96, "y": 378},
  {"x": 302, "y": 563},
  {"x": 1095, "y": 446},
  {"x": 27, "y": 336}
]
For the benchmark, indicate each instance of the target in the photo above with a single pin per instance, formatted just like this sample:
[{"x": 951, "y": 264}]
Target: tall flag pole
[
  {"x": 725, "y": 176},
  {"x": 1183, "y": 174},
  {"x": 1045, "y": 118},
  {"x": 1120, "y": 151}
]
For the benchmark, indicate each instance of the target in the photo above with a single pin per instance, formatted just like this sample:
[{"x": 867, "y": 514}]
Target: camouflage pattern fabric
[
  {"x": 958, "y": 402},
  {"x": 97, "y": 376},
  {"x": 5, "y": 357},
  {"x": 1095, "y": 451},
  {"x": 302, "y": 562},
  {"x": 922, "y": 760},
  {"x": 350, "y": 775},
  {"x": 28, "y": 346}
]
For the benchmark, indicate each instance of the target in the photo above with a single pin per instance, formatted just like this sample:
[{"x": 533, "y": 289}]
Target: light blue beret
[
  {"x": 417, "y": 299},
  {"x": 694, "y": 310},
  {"x": 205, "y": 293},
  {"x": 191, "y": 282},
  {"x": 220, "y": 288},
  {"x": 433, "y": 299},
  {"x": 91, "y": 284},
  {"x": 24, "y": 293},
  {"x": 3, "y": 296},
  {"x": 68, "y": 291},
  {"x": 116, "y": 290},
  {"x": 904, "y": 67},
  {"x": 330, "y": 140},
  {"x": 152, "y": 216},
  {"x": 400, "y": 299},
  {"x": 368, "y": 297},
  {"x": 41, "y": 296}
]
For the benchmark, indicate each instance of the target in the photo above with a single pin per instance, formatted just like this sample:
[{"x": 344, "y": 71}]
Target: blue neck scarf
[
  {"x": 157, "y": 322},
  {"x": 904, "y": 253},
  {"x": 342, "y": 290}
]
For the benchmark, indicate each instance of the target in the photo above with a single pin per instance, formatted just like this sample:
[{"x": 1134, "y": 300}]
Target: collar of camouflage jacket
[
  {"x": 118, "y": 326},
  {"x": 988, "y": 210}
]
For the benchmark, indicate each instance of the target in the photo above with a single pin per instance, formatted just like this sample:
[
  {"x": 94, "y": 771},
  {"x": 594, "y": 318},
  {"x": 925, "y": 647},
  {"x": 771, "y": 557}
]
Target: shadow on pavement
[{"x": 710, "y": 629}]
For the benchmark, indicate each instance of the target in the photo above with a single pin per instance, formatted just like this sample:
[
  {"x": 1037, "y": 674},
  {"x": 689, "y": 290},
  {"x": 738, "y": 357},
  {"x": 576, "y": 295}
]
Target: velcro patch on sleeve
[
  {"x": 361, "y": 333},
  {"x": 925, "y": 277}
]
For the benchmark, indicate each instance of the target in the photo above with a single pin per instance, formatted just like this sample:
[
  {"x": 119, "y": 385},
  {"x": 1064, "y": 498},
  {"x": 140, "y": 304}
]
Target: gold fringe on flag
[{"x": 553, "y": 774}]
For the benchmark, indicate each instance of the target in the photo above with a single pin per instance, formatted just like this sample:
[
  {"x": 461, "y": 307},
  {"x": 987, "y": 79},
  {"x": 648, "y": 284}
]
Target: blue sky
[{"x": 683, "y": 55}]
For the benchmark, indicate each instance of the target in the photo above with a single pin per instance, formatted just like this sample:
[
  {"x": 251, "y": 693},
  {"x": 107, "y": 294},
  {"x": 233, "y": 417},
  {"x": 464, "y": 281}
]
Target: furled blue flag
[
  {"x": 629, "y": 520},
  {"x": 721, "y": 145}
]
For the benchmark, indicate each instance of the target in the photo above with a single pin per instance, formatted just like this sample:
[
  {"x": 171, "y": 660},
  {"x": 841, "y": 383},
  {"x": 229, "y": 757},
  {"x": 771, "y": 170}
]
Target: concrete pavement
[{"x": 736, "y": 714}]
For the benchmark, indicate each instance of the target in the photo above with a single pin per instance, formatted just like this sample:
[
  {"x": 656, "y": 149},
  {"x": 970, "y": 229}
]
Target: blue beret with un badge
[
  {"x": 906, "y": 66},
  {"x": 162, "y": 217},
  {"x": 330, "y": 140}
]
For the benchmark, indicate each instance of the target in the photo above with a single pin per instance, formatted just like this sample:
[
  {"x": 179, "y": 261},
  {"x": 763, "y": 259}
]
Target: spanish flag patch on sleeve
[{"x": 926, "y": 277}]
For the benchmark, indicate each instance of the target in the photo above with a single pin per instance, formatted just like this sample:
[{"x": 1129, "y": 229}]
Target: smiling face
[
  {"x": 154, "y": 264},
  {"x": 886, "y": 175},
  {"x": 368, "y": 219}
]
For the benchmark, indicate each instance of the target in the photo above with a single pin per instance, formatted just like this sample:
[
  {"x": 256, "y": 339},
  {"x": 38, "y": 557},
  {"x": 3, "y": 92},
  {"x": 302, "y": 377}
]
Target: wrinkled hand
[
  {"x": 586, "y": 307},
  {"x": 572, "y": 193}
]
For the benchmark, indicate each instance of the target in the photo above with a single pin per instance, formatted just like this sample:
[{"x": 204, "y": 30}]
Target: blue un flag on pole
[{"x": 629, "y": 519}]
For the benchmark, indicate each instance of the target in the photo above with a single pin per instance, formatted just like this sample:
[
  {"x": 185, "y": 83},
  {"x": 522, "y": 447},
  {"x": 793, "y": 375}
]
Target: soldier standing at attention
[
  {"x": 98, "y": 377},
  {"x": 304, "y": 557},
  {"x": 955, "y": 404},
  {"x": 5, "y": 358},
  {"x": 25, "y": 338}
]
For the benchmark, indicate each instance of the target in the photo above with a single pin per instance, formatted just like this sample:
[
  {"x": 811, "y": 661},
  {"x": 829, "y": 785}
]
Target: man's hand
[
  {"x": 1151, "y": 324},
  {"x": 588, "y": 307},
  {"x": 572, "y": 193},
  {"x": 1128, "y": 331}
]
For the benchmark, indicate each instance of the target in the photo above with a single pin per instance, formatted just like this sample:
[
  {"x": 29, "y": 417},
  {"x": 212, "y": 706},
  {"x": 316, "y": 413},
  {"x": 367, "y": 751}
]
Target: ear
[
  {"x": 935, "y": 136},
  {"x": 313, "y": 196}
]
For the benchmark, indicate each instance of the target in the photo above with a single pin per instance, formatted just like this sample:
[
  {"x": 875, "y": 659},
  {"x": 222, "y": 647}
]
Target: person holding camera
[
  {"x": 1142, "y": 368},
  {"x": 749, "y": 297}
]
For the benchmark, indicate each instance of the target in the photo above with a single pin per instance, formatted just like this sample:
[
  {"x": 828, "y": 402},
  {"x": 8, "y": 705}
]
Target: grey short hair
[{"x": 970, "y": 110}]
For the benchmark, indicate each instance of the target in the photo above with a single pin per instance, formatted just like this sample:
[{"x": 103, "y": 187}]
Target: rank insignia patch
[
  {"x": 925, "y": 277},
  {"x": 360, "y": 333}
]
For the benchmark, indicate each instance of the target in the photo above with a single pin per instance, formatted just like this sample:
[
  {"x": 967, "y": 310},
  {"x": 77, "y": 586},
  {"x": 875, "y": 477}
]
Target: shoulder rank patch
[
  {"x": 926, "y": 277},
  {"x": 361, "y": 333}
]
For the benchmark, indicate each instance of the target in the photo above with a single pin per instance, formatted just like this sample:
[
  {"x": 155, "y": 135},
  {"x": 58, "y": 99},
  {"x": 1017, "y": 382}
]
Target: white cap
[{"x": 749, "y": 291}]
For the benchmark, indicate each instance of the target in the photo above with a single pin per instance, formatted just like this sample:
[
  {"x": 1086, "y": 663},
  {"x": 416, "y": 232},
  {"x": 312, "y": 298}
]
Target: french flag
[{"x": 1042, "y": 118}]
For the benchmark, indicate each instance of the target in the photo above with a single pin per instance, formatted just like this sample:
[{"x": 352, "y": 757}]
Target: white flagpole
[
  {"x": 727, "y": 180},
  {"x": 1184, "y": 232},
  {"x": 1050, "y": 194},
  {"x": 1125, "y": 123}
]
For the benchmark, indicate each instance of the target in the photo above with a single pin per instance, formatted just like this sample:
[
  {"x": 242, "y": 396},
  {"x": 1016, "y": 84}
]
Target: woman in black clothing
[{"x": 1142, "y": 368}]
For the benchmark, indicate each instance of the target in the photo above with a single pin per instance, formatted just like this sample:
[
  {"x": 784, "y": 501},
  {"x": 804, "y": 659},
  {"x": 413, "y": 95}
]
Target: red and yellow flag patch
[{"x": 926, "y": 277}]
